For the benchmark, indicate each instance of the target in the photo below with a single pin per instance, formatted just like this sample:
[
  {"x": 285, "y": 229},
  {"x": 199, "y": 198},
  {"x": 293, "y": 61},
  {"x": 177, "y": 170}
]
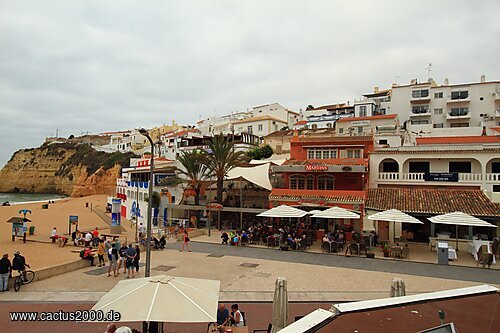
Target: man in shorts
[
  {"x": 122, "y": 258},
  {"x": 130, "y": 255},
  {"x": 113, "y": 260}
]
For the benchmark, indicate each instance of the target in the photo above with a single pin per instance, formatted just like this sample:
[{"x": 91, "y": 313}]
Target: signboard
[
  {"x": 73, "y": 219},
  {"x": 17, "y": 229},
  {"x": 164, "y": 179},
  {"x": 347, "y": 168},
  {"x": 115, "y": 219},
  {"x": 441, "y": 177},
  {"x": 312, "y": 167},
  {"x": 360, "y": 123}
]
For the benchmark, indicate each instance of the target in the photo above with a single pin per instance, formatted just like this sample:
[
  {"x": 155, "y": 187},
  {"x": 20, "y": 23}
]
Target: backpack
[{"x": 82, "y": 252}]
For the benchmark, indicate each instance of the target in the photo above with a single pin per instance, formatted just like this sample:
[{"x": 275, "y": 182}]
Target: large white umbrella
[
  {"x": 460, "y": 219},
  {"x": 163, "y": 298},
  {"x": 280, "y": 305},
  {"x": 336, "y": 213},
  {"x": 283, "y": 211},
  {"x": 395, "y": 216}
]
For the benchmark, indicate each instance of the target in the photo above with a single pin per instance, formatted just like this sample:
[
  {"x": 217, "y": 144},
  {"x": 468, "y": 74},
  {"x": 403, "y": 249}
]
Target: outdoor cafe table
[{"x": 475, "y": 245}]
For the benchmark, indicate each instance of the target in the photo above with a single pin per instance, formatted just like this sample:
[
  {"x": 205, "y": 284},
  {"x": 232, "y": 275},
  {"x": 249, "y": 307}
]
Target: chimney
[
  {"x": 446, "y": 82},
  {"x": 394, "y": 84},
  {"x": 375, "y": 89},
  {"x": 295, "y": 137},
  {"x": 483, "y": 78},
  {"x": 413, "y": 81}
]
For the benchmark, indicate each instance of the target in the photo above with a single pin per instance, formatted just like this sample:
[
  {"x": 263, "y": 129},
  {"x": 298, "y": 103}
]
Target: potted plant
[
  {"x": 370, "y": 254},
  {"x": 386, "y": 249}
]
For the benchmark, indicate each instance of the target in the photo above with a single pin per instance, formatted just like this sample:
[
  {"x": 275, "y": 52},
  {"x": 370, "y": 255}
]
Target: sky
[{"x": 92, "y": 66}]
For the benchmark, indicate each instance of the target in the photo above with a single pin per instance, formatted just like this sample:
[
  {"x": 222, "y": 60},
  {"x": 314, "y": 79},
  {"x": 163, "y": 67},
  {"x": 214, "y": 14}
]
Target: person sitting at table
[
  {"x": 291, "y": 242},
  {"x": 244, "y": 237},
  {"x": 326, "y": 239},
  {"x": 235, "y": 240},
  {"x": 222, "y": 315},
  {"x": 236, "y": 316}
]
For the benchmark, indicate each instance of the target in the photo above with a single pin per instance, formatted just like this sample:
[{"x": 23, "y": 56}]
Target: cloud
[{"x": 92, "y": 65}]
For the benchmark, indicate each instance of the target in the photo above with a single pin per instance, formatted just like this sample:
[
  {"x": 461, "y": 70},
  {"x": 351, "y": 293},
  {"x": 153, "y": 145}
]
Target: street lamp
[{"x": 147, "y": 272}]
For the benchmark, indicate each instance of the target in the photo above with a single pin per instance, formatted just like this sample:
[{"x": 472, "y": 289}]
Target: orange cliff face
[{"x": 61, "y": 169}]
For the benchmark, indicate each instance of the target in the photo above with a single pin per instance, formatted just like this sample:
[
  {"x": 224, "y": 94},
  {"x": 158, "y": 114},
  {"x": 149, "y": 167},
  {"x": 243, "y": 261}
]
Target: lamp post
[{"x": 147, "y": 272}]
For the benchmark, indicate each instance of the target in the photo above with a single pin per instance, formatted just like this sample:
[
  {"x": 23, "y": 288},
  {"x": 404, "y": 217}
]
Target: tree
[
  {"x": 156, "y": 201},
  {"x": 194, "y": 172},
  {"x": 260, "y": 153},
  {"x": 222, "y": 159}
]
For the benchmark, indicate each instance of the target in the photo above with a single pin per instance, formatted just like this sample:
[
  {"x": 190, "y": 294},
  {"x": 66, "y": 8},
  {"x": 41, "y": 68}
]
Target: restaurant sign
[
  {"x": 312, "y": 167},
  {"x": 441, "y": 177}
]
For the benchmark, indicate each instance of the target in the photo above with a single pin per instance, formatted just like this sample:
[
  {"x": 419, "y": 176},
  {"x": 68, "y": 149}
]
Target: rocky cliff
[{"x": 73, "y": 169}]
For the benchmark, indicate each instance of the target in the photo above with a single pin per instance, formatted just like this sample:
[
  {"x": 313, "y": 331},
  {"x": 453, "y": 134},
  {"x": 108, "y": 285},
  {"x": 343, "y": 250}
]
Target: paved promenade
[{"x": 474, "y": 274}]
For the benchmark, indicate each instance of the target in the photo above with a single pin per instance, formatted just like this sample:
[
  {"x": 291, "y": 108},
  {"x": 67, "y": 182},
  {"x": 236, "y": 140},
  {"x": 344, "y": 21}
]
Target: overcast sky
[{"x": 92, "y": 66}]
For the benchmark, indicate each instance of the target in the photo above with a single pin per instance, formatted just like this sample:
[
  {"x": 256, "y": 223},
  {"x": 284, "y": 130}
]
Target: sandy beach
[{"x": 42, "y": 253}]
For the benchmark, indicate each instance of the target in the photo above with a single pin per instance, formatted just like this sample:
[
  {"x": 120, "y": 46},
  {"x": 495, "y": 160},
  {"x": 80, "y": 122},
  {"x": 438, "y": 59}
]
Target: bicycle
[{"x": 30, "y": 276}]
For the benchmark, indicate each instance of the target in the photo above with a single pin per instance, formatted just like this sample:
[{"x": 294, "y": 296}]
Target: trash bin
[
  {"x": 45, "y": 206},
  {"x": 442, "y": 249},
  {"x": 32, "y": 230}
]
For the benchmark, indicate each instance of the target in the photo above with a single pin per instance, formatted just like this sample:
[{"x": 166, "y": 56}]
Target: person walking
[
  {"x": 186, "y": 241},
  {"x": 53, "y": 235},
  {"x": 5, "y": 272},
  {"x": 113, "y": 260},
  {"x": 137, "y": 258},
  {"x": 101, "y": 250},
  {"x": 122, "y": 258},
  {"x": 95, "y": 236}
]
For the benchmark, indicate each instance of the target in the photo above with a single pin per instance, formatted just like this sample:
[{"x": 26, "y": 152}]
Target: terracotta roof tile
[
  {"x": 446, "y": 140},
  {"x": 332, "y": 161},
  {"x": 336, "y": 139},
  {"x": 382, "y": 116},
  {"x": 302, "y": 122},
  {"x": 430, "y": 201}
]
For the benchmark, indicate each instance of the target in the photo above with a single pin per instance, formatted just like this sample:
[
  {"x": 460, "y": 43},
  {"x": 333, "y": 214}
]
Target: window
[
  {"x": 456, "y": 112},
  {"x": 341, "y": 130},
  {"x": 462, "y": 167},
  {"x": 459, "y": 125},
  {"x": 382, "y": 142},
  {"x": 495, "y": 167},
  {"x": 321, "y": 153},
  {"x": 310, "y": 182},
  {"x": 260, "y": 128},
  {"x": 250, "y": 129},
  {"x": 140, "y": 196},
  {"x": 416, "y": 109},
  {"x": 360, "y": 129},
  {"x": 362, "y": 111},
  {"x": 329, "y": 125},
  {"x": 438, "y": 95},
  {"x": 353, "y": 153},
  {"x": 326, "y": 182},
  {"x": 314, "y": 126},
  {"x": 390, "y": 167},
  {"x": 438, "y": 111},
  {"x": 420, "y": 93},
  {"x": 382, "y": 111},
  {"x": 459, "y": 94},
  {"x": 419, "y": 122},
  {"x": 275, "y": 127},
  {"x": 419, "y": 167},
  {"x": 438, "y": 125},
  {"x": 297, "y": 182},
  {"x": 128, "y": 193}
]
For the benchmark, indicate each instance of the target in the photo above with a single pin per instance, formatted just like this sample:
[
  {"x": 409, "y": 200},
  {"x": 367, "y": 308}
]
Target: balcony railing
[{"x": 420, "y": 177}]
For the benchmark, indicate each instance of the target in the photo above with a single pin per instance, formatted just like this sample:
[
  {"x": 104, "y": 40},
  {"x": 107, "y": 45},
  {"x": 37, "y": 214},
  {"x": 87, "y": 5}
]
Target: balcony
[
  {"x": 421, "y": 114},
  {"x": 419, "y": 177},
  {"x": 457, "y": 116},
  {"x": 458, "y": 100}
]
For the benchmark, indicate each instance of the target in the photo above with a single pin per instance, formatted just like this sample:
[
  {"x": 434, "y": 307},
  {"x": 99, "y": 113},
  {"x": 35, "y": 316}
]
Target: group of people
[
  {"x": 7, "y": 267},
  {"x": 118, "y": 255},
  {"x": 226, "y": 318},
  {"x": 235, "y": 238}
]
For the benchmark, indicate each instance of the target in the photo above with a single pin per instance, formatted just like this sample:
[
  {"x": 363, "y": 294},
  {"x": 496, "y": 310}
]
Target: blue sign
[
  {"x": 115, "y": 219},
  {"x": 135, "y": 211},
  {"x": 73, "y": 219}
]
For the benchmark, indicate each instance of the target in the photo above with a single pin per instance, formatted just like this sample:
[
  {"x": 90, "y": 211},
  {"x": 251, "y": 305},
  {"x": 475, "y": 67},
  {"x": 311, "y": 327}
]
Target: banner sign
[
  {"x": 115, "y": 219},
  {"x": 312, "y": 167},
  {"x": 73, "y": 219},
  {"x": 441, "y": 177},
  {"x": 164, "y": 179}
]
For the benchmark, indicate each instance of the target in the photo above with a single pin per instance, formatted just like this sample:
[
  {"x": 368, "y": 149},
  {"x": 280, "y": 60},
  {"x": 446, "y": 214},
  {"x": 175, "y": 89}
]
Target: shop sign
[
  {"x": 360, "y": 123},
  {"x": 347, "y": 168},
  {"x": 312, "y": 167},
  {"x": 441, "y": 177}
]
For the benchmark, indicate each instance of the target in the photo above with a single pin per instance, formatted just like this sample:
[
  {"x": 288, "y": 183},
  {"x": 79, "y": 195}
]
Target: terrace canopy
[
  {"x": 258, "y": 175},
  {"x": 283, "y": 211},
  {"x": 460, "y": 219},
  {"x": 336, "y": 213}
]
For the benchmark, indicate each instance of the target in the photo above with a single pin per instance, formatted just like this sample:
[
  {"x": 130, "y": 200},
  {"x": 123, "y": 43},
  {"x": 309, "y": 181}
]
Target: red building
[{"x": 324, "y": 171}]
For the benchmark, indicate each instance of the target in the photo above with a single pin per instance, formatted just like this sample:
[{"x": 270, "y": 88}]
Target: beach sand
[{"x": 42, "y": 253}]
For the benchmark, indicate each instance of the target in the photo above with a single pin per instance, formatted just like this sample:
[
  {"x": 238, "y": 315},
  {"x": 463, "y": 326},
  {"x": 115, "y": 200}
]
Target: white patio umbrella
[
  {"x": 395, "y": 216},
  {"x": 460, "y": 219},
  {"x": 336, "y": 213},
  {"x": 314, "y": 211},
  {"x": 283, "y": 211},
  {"x": 163, "y": 298},
  {"x": 280, "y": 305},
  {"x": 398, "y": 287}
]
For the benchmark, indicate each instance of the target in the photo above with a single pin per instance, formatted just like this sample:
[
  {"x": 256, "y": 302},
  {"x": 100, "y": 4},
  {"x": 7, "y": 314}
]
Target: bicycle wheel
[
  {"x": 17, "y": 283},
  {"x": 30, "y": 275}
]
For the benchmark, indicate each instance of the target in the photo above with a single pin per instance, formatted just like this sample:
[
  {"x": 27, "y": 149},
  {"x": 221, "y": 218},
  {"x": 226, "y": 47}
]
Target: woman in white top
[{"x": 237, "y": 317}]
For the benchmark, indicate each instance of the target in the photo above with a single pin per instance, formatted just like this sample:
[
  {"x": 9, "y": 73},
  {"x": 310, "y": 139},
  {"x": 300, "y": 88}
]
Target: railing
[{"x": 420, "y": 177}]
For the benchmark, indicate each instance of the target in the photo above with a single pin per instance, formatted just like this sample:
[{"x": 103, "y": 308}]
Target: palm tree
[
  {"x": 194, "y": 172},
  {"x": 221, "y": 159}
]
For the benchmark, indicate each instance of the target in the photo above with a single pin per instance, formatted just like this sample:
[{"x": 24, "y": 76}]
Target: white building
[
  {"x": 446, "y": 110},
  {"x": 325, "y": 116},
  {"x": 259, "y": 125}
]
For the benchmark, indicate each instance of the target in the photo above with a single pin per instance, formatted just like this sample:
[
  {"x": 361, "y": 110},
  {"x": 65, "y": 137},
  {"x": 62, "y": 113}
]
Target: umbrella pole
[{"x": 456, "y": 237}]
